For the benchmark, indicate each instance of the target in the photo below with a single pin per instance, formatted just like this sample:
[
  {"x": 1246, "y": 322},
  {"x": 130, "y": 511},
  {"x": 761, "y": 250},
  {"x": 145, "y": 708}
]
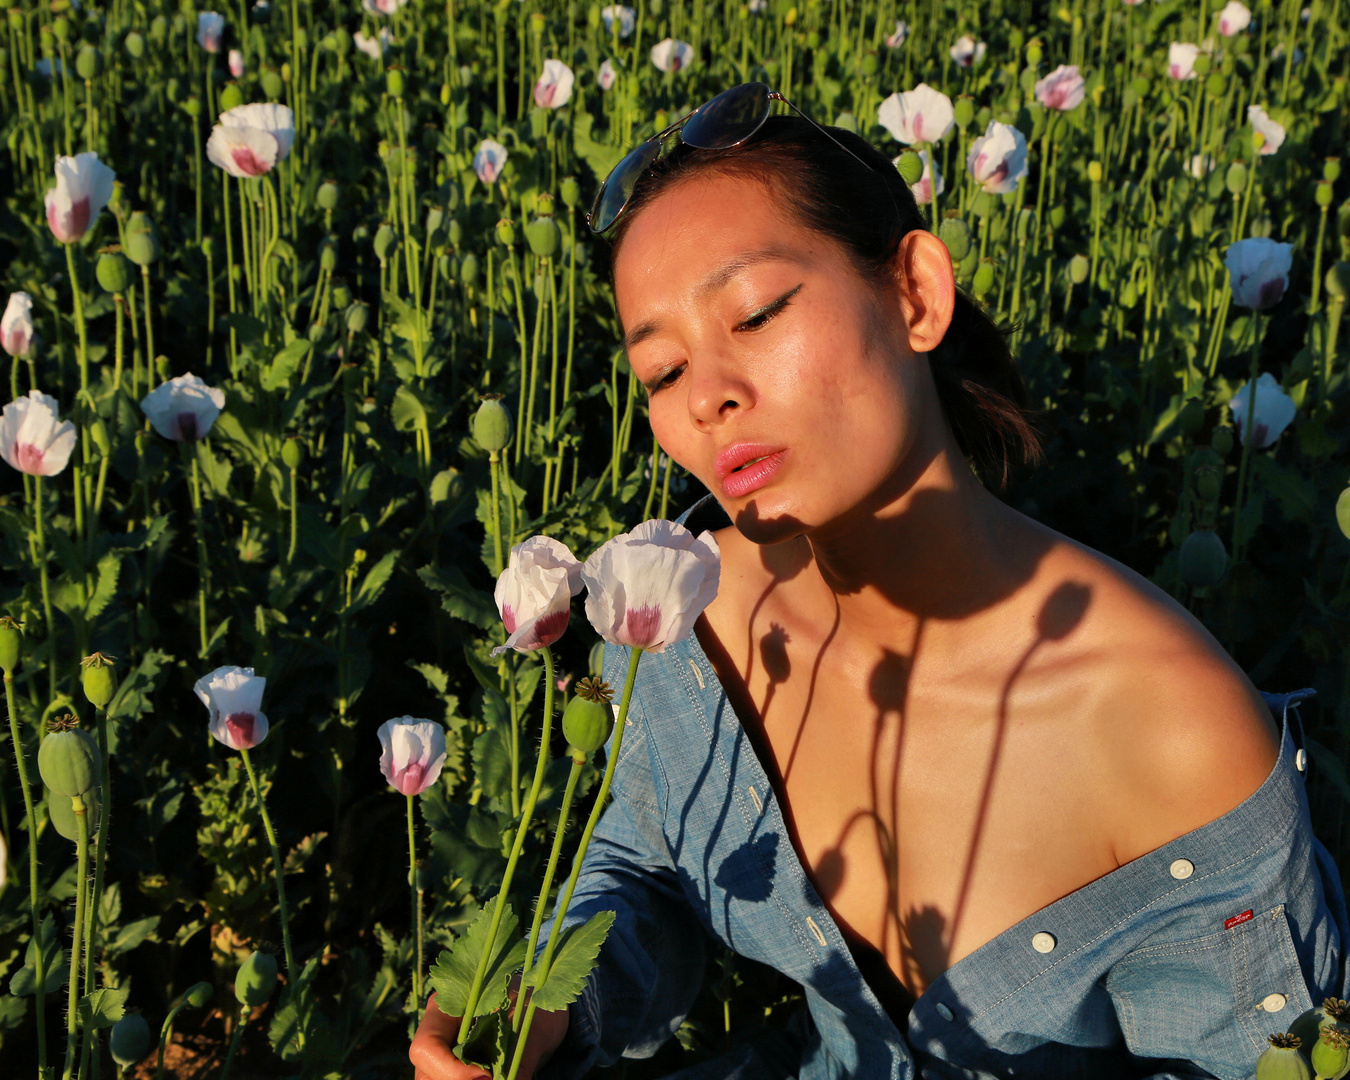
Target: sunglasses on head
[{"x": 725, "y": 121}]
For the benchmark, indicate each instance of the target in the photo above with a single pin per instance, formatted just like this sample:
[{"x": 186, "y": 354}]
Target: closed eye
[{"x": 766, "y": 315}]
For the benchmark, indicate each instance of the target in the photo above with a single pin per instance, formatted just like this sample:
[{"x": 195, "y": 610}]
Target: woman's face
[{"x": 778, "y": 376}]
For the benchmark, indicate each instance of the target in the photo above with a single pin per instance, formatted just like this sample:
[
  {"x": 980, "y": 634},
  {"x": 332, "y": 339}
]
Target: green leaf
[
  {"x": 488, "y": 1043},
  {"x": 376, "y": 579},
  {"x": 460, "y": 598},
  {"x": 103, "y": 1008},
  {"x": 407, "y": 411},
  {"x": 492, "y": 762},
  {"x": 133, "y": 934},
  {"x": 23, "y": 982},
  {"x": 601, "y": 157},
  {"x": 279, "y": 373},
  {"x": 132, "y": 699},
  {"x": 452, "y": 975},
  {"x": 574, "y": 960}
]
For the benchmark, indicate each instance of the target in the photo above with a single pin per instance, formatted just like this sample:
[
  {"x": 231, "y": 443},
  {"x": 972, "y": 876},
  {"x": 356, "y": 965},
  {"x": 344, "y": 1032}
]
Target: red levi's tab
[{"x": 1237, "y": 920}]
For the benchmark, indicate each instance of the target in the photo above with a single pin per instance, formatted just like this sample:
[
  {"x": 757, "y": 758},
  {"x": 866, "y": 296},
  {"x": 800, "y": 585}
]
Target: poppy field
[{"x": 317, "y": 425}]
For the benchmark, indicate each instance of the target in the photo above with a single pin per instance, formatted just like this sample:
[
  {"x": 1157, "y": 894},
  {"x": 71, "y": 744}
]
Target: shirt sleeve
[{"x": 652, "y": 963}]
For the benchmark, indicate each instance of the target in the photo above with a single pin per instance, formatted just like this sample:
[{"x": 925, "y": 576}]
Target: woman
[{"x": 1000, "y": 805}]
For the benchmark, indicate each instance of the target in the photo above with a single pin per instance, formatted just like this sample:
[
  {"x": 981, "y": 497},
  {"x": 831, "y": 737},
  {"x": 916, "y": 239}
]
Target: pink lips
[{"x": 739, "y": 477}]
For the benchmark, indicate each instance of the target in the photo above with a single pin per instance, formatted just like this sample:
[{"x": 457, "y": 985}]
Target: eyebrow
[{"x": 717, "y": 280}]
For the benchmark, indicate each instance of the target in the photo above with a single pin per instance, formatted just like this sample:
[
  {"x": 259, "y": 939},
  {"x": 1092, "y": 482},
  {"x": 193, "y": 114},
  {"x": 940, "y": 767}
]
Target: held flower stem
[
  {"x": 277, "y": 866},
  {"x": 476, "y": 987},
  {"x": 417, "y": 907},
  {"x": 546, "y": 960},
  {"x": 81, "y": 872}
]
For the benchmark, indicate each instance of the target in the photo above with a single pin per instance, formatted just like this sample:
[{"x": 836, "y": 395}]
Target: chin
[{"x": 763, "y": 522}]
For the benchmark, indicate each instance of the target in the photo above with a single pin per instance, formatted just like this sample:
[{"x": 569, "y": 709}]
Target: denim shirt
[{"x": 1177, "y": 964}]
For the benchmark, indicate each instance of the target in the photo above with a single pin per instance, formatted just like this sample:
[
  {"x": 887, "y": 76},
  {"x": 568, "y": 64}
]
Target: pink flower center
[
  {"x": 918, "y": 128},
  {"x": 73, "y": 225},
  {"x": 187, "y": 426},
  {"x": 509, "y": 618},
  {"x": 240, "y": 726},
  {"x": 409, "y": 781},
  {"x": 1271, "y": 293},
  {"x": 642, "y": 625},
  {"x": 247, "y": 161},
  {"x": 29, "y": 458},
  {"x": 550, "y": 628}
]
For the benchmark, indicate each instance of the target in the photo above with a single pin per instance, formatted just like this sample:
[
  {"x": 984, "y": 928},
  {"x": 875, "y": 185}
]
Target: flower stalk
[{"x": 277, "y": 866}]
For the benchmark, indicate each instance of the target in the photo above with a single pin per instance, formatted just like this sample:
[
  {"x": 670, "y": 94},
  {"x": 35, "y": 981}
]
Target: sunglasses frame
[{"x": 770, "y": 96}]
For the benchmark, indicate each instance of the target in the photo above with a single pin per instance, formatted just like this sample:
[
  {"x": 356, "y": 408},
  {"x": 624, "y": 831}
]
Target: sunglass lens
[
  {"x": 729, "y": 118},
  {"x": 618, "y": 186}
]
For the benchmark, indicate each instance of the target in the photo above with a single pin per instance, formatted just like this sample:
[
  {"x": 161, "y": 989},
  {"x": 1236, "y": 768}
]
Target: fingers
[{"x": 432, "y": 1049}]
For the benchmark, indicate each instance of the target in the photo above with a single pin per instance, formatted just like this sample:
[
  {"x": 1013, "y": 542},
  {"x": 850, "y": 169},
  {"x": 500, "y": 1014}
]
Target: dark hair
[{"x": 867, "y": 211}]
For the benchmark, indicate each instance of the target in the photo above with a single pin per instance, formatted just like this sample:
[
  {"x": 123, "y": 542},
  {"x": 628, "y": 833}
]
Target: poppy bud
[
  {"x": 198, "y": 994},
  {"x": 327, "y": 196},
  {"x": 1337, "y": 280},
  {"x": 1281, "y": 1060},
  {"x": 445, "y": 93},
  {"x": 271, "y": 84},
  {"x": 292, "y": 454},
  {"x": 870, "y": 64},
  {"x": 129, "y": 1039},
  {"x": 88, "y": 63},
  {"x": 1095, "y": 171},
  {"x": 506, "y": 232},
  {"x": 1078, "y": 269},
  {"x": 342, "y": 296},
  {"x": 1057, "y": 215},
  {"x": 542, "y": 236},
  {"x": 1236, "y": 178},
  {"x": 468, "y": 269},
  {"x": 231, "y": 97},
  {"x": 984, "y": 278},
  {"x": 328, "y": 254},
  {"x": 1323, "y": 193},
  {"x": 1203, "y": 559},
  {"x": 11, "y": 637},
  {"x": 113, "y": 271},
  {"x": 570, "y": 192},
  {"x": 98, "y": 431},
  {"x": 68, "y": 760},
  {"x": 135, "y": 45},
  {"x": 256, "y": 980},
  {"x": 162, "y": 368},
  {"x": 589, "y": 718},
  {"x": 61, "y": 28},
  {"x": 1209, "y": 485},
  {"x": 385, "y": 239},
  {"x": 492, "y": 425},
  {"x": 159, "y": 28},
  {"x": 1033, "y": 54},
  {"x": 1331, "y": 169},
  {"x": 142, "y": 245},
  {"x": 96, "y": 677},
  {"x": 955, "y": 233},
  {"x": 394, "y": 82},
  {"x": 357, "y": 317}
]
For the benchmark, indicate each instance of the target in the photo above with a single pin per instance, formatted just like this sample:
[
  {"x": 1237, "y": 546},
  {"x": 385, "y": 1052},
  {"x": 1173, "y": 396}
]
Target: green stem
[
  {"x": 165, "y": 1034},
  {"x": 33, "y": 888},
  {"x": 81, "y": 872},
  {"x": 40, "y": 527},
  {"x": 244, "y": 1010},
  {"x": 295, "y": 522},
  {"x": 494, "y": 464},
  {"x": 1247, "y": 434},
  {"x": 546, "y": 961},
  {"x": 417, "y": 907},
  {"x": 277, "y": 866},
  {"x": 203, "y": 569},
  {"x": 476, "y": 987},
  {"x": 101, "y": 852}
]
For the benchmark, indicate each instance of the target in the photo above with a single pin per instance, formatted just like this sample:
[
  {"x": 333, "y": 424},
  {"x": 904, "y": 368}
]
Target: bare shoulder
[{"x": 1180, "y": 734}]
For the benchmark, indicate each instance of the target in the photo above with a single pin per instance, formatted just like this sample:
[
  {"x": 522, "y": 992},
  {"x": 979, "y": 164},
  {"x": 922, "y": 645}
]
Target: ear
[{"x": 927, "y": 286}]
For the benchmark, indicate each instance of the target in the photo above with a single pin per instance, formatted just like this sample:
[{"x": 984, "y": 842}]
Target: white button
[
  {"x": 1182, "y": 869},
  {"x": 1301, "y": 759},
  {"x": 1273, "y": 1002},
  {"x": 944, "y": 1012},
  {"x": 1043, "y": 942}
]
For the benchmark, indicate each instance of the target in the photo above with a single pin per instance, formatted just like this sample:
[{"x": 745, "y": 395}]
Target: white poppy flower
[
  {"x": 1274, "y": 133},
  {"x": 251, "y": 139},
  {"x": 374, "y": 47},
  {"x": 382, "y": 7},
  {"x": 1275, "y": 411},
  {"x": 1234, "y": 18},
  {"x": 919, "y": 115},
  {"x": 210, "y": 29},
  {"x": 233, "y": 695},
  {"x": 627, "y": 19},
  {"x": 554, "y": 88},
  {"x": 1258, "y": 271},
  {"x": 16, "y": 327},
  {"x": 1181, "y": 60},
  {"x": 607, "y": 75},
  {"x": 236, "y": 62},
  {"x": 645, "y": 588},
  {"x": 489, "y": 160},
  {"x": 534, "y": 593},
  {"x": 412, "y": 753},
  {"x": 1200, "y": 165},
  {"x": 672, "y": 55},
  {"x": 83, "y": 187},
  {"x": 998, "y": 158},
  {"x": 1062, "y": 89},
  {"x": 967, "y": 51},
  {"x": 184, "y": 408},
  {"x": 33, "y": 438},
  {"x": 901, "y": 33}
]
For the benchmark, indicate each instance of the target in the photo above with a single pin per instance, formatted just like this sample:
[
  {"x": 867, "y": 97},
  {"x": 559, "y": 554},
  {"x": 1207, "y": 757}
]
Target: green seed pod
[
  {"x": 11, "y": 638},
  {"x": 272, "y": 85},
  {"x": 113, "y": 271},
  {"x": 1221, "y": 441},
  {"x": 589, "y": 717},
  {"x": 983, "y": 205},
  {"x": 1078, "y": 269},
  {"x": 910, "y": 166},
  {"x": 1216, "y": 84},
  {"x": 96, "y": 677},
  {"x": 231, "y": 97},
  {"x": 198, "y": 994},
  {"x": 445, "y": 93},
  {"x": 385, "y": 239},
  {"x": 1235, "y": 180},
  {"x": 468, "y": 269},
  {"x": 506, "y": 232},
  {"x": 1337, "y": 280},
  {"x": 159, "y": 28},
  {"x": 1342, "y": 513},
  {"x": 1330, "y": 1054},
  {"x": 570, "y": 191},
  {"x": 342, "y": 296},
  {"x": 542, "y": 235},
  {"x": 955, "y": 233},
  {"x": 435, "y": 219},
  {"x": 1058, "y": 213},
  {"x": 984, "y": 278},
  {"x": 492, "y": 425},
  {"x": 135, "y": 45},
  {"x": 1208, "y": 485},
  {"x": 61, "y": 28},
  {"x": 61, "y": 811},
  {"x": 193, "y": 106},
  {"x": 357, "y": 317},
  {"x": 142, "y": 246},
  {"x": 964, "y": 111},
  {"x": 1310, "y": 1023},
  {"x": 1322, "y": 194},
  {"x": 327, "y": 196},
  {"x": 293, "y": 454},
  {"x": 870, "y": 64},
  {"x": 1203, "y": 559},
  {"x": 1331, "y": 169},
  {"x": 394, "y": 83},
  {"x": 1034, "y": 54},
  {"x": 256, "y": 980},
  {"x": 328, "y": 254},
  {"x": 129, "y": 1039},
  {"x": 68, "y": 761},
  {"x": 163, "y": 368},
  {"x": 88, "y": 63},
  {"x": 1282, "y": 1061}
]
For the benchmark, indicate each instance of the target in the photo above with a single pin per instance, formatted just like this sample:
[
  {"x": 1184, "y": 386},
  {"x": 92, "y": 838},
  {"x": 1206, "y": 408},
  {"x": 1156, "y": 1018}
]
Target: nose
[{"x": 718, "y": 388}]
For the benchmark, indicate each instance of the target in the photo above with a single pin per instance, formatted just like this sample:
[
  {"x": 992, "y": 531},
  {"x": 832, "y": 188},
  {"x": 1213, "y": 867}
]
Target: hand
[{"x": 432, "y": 1050}]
